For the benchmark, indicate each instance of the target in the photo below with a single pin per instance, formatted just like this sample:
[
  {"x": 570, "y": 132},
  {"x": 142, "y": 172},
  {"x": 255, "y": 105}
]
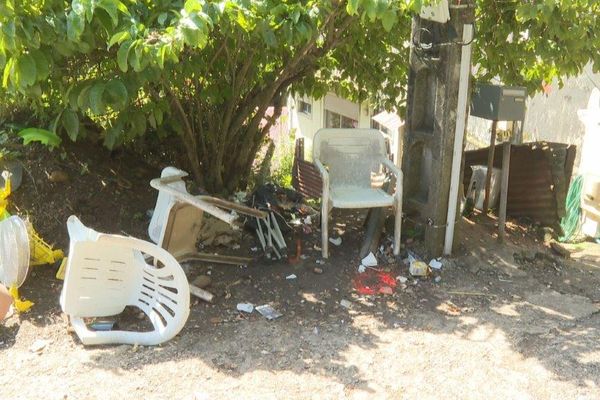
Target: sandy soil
[{"x": 501, "y": 324}]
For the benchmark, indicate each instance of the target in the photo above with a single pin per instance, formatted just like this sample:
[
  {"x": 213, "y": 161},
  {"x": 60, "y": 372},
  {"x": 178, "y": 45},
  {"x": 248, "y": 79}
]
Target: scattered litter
[
  {"x": 345, "y": 303},
  {"x": 254, "y": 249},
  {"x": 264, "y": 352},
  {"x": 373, "y": 282},
  {"x": 435, "y": 263},
  {"x": 338, "y": 241},
  {"x": 318, "y": 270},
  {"x": 320, "y": 262},
  {"x": 38, "y": 346},
  {"x": 290, "y": 277},
  {"x": 236, "y": 246},
  {"x": 449, "y": 308},
  {"x": 245, "y": 307},
  {"x": 402, "y": 279},
  {"x": 316, "y": 248},
  {"x": 386, "y": 290},
  {"x": 418, "y": 268},
  {"x": 361, "y": 269},
  {"x": 307, "y": 220},
  {"x": 437, "y": 279},
  {"x": 303, "y": 257},
  {"x": 268, "y": 312},
  {"x": 201, "y": 293},
  {"x": 103, "y": 325},
  {"x": 369, "y": 260}
]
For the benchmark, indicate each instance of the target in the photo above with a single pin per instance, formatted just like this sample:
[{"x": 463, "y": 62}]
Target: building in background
[{"x": 308, "y": 115}]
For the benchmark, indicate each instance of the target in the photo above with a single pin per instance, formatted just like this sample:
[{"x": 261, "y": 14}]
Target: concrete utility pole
[{"x": 433, "y": 86}]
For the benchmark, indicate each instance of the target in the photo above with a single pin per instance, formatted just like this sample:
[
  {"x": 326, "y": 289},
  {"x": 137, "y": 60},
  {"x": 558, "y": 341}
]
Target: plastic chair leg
[{"x": 324, "y": 230}]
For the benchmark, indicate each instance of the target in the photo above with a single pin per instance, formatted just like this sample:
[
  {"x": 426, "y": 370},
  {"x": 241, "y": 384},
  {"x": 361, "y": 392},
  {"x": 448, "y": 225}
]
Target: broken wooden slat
[{"x": 215, "y": 258}]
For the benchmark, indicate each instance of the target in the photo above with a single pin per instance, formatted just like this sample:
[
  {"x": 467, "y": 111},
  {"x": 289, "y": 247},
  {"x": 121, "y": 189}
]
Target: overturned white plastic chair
[
  {"x": 351, "y": 161},
  {"x": 105, "y": 273},
  {"x": 178, "y": 217}
]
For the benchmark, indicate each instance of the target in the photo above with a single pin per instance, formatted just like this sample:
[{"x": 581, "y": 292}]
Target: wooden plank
[
  {"x": 504, "y": 191},
  {"x": 490, "y": 166},
  {"x": 216, "y": 258}
]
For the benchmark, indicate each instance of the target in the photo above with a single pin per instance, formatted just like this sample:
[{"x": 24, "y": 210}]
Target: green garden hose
[{"x": 571, "y": 221}]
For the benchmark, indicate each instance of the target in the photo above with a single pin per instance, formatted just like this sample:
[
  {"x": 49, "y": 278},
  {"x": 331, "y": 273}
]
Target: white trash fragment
[
  {"x": 401, "y": 279},
  {"x": 235, "y": 247},
  {"x": 436, "y": 264},
  {"x": 245, "y": 307},
  {"x": 38, "y": 346},
  {"x": 303, "y": 256},
  {"x": 336, "y": 241},
  {"x": 290, "y": 277},
  {"x": 254, "y": 249},
  {"x": 307, "y": 220},
  {"x": 345, "y": 303},
  {"x": 361, "y": 269},
  {"x": 369, "y": 260},
  {"x": 320, "y": 262},
  {"x": 268, "y": 312}
]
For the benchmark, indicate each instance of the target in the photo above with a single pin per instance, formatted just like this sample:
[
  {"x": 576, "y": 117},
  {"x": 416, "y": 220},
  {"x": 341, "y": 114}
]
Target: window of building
[
  {"x": 335, "y": 120},
  {"x": 304, "y": 107},
  {"x": 377, "y": 125}
]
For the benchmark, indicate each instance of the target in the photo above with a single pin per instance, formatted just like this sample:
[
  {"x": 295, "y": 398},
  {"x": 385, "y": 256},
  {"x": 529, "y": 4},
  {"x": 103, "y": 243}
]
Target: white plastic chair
[
  {"x": 178, "y": 216},
  {"x": 350, "y": 161},
  {"x": 105, "y": 273}
]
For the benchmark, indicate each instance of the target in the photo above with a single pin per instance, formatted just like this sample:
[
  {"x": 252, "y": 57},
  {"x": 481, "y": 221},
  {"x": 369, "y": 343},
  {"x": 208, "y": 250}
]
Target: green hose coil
[{"x": 572, "y": 220}]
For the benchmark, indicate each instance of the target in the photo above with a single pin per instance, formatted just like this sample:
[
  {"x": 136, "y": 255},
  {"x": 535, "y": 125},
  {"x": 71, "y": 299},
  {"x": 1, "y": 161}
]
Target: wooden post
[
  {"x": 490, "y": 167},
  {"x": 504, "y": 190}
]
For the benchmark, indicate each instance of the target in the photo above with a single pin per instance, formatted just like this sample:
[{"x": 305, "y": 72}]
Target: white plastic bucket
[{"x": 14, "y": 251}]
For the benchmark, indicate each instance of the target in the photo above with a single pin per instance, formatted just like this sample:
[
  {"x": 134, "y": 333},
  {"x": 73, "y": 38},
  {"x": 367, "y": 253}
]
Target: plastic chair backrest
[
  {"x": 164, "y": 202},
  {"x": 100, "y": 276},
  {"x": 352, "y": 156}
]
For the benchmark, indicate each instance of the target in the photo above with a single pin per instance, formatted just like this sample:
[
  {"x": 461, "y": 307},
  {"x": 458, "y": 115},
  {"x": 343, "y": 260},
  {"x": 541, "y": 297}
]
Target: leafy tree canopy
[{"x": 208, "y": 70}]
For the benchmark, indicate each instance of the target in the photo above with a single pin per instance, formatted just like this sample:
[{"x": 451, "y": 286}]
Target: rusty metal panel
[
  {"x": 306, "y": 178},
  {"x": 539, "y": 177}
]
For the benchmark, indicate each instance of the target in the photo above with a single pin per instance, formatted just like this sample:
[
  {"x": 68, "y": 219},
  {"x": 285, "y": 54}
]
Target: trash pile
[{"x": 373, "y": 279}]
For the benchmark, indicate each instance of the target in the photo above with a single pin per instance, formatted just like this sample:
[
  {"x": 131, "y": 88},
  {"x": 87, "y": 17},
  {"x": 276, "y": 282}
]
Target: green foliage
[
  {"x": 207, "y": 70},
  {"x": 531, "y": 42},
  {"x": 43, "y": 136}
]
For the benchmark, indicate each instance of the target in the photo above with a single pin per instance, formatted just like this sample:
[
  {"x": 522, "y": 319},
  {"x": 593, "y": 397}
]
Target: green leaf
[
  {"x": 75, "y": 26},
  {"x": 116, "y": 94},
  {"x": 96, "y": 102},
  {"x": 192, "y": 6},
  {"x": 388, "y": 20},
  {"x": 71, "y": 124},
  {"x": 43, "y": 136},
  {"x": 162, "y": 55},
  {"x": 8, "y": 71},
  {"x": 118, "y": 37},
  {"x": 26, "y": 70},
  {"x": 83, "y": 100},
  {"x": 41, "y": 64},
  {"x": 162, "y": 18},
  {"x": 123, "y": 54},
  {"x": 112, "y": 134},
  {"x": 110, "y": 6},
  {"x": 352, "y": 6}
]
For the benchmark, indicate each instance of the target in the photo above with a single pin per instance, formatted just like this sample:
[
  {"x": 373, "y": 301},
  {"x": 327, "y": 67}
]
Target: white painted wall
[{"x": 305, "y": 126}]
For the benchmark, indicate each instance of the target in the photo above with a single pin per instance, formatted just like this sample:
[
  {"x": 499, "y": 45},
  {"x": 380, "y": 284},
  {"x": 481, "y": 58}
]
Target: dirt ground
[{"x": 506, "y": 321}]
